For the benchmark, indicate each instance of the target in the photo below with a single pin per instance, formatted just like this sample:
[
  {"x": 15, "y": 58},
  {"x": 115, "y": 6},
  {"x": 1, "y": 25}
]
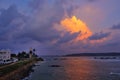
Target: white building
[{"x": 5, "y": 56}]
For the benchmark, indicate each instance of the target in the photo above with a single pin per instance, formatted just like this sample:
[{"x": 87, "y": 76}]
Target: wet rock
[
  {"x": 55, "y": 59},
  {"x": 40, "y": 59},
  {"x": 54, "y": 66}
]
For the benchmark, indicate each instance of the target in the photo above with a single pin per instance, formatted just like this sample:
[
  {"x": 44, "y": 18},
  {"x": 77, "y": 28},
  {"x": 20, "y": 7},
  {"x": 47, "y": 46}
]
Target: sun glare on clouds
[{"x": 74, "y": 25}]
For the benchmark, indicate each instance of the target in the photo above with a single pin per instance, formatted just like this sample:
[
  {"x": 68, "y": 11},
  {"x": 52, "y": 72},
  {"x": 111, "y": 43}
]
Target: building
[{"x": 5, "y": 56}]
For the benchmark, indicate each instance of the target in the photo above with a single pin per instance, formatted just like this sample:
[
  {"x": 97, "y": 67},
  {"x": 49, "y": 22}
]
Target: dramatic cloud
[
  {"x": 11, "y": 22},
  {"x": 68, "y": 37},
  {"x": 116, "y": 27},
  {"x": 98, "y": 36},
  {"x": 73, "y": 25},
  {"x": 55, "y": 27},
  {"x": 7, "y": 16}
]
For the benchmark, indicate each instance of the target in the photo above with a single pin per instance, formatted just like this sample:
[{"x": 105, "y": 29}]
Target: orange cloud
[{"x": 74, "y": 25}]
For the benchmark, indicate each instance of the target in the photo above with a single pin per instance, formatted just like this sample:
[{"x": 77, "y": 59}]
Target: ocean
[{"x": 76, "y": 68}]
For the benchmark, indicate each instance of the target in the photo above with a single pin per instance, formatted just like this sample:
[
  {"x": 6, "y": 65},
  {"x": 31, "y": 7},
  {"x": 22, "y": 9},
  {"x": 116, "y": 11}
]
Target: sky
[{"x": 58, "y": 27}]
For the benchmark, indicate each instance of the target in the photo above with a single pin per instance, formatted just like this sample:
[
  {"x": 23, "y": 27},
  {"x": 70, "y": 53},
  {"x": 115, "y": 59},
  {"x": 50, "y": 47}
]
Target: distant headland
[{"x": 95, "y": 54}]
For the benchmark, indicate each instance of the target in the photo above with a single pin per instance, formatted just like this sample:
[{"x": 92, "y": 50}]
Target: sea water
[{"x": 76, "y": 68}]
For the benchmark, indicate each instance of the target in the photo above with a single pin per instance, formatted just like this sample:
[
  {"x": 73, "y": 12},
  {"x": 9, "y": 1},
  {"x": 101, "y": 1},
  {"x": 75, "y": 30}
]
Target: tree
[
  {"x": 13, "y": 55},
  {"x": 23, "y": 54},
  {"x": 34, "y": 50}
]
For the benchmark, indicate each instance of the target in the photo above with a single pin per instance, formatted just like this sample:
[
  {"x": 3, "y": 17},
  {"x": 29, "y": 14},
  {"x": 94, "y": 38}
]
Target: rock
[
  {"x": 54, "y": 66},
  {"x": 40, "y": 59},
  {"x": 55, "y": 58}
]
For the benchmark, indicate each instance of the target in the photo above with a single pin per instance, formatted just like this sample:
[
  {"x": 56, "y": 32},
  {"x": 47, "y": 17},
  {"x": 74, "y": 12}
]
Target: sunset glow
[
  {"x": 56, "y": 27},
  {"x": 60, "y": 39},
  {"x": 74, "y": 25}
]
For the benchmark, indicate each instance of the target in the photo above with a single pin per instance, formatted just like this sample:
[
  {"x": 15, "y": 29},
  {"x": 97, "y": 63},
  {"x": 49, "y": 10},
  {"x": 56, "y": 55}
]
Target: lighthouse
[{"x": 30, "y": 53}]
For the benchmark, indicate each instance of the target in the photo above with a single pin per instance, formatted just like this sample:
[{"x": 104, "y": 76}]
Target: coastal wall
[{"x": 19, "y": 73}]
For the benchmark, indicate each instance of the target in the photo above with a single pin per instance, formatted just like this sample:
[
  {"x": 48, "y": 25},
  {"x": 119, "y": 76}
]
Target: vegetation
[
  {"x": 26, "y": 61},
  {"x": 23, "y": 55},
  {"x": 7, "y": 69}
]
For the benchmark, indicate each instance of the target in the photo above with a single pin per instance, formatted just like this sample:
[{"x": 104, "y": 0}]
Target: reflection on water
[
  {"x": 79, "y": 69},
  {"x": 76, "y": 68}
]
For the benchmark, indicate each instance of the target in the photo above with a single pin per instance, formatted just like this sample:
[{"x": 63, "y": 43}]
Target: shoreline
[{"x": 21, "y": 72}]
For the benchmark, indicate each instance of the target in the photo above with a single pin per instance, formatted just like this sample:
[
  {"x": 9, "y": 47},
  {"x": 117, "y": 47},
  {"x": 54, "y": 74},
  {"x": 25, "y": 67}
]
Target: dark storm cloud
[
  {"x": 68, "y": 37},
  {"x": 64, "y": 7},
  {"x": 37, "y": 4},
  {"x": 38, "y": 29},
  {"x": 11, "y": 26},
  {"x": 42, "y": 34},
  {"x": 19, "y": 31},
  {"x": 116, "y": 27},
  {"x": 91, "y": 0},
  {"x": 11, "y": 22},
  {"x": 7, "y": 16},
  {"x": 98, "y": 36}
]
